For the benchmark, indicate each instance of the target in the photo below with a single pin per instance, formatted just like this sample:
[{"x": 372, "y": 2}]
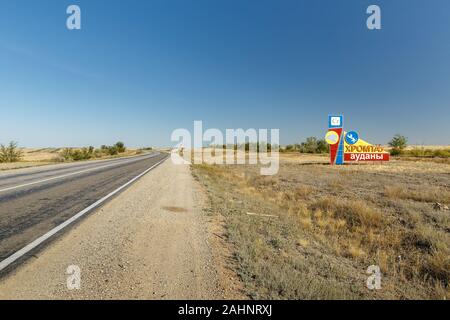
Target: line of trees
[
  {"x": 12, "y": 153},
  {"x": 398, "y": 145},
  {"x": 310, "y": 145},
  {"x": 247, "y": 146},
  {"x": 70, "y": 154}
]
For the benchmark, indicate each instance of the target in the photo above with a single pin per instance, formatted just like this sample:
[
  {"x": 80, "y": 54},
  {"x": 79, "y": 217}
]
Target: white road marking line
[
  {"x": 64, "y": 176},
  {"x": 55, "y": 230}
]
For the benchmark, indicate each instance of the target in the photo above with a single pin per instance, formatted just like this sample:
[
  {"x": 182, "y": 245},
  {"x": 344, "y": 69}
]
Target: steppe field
[{"x": 312, "y": 230}]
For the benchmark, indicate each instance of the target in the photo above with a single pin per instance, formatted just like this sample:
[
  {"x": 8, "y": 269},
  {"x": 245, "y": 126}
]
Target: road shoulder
[{"x": 150, "y": 242}]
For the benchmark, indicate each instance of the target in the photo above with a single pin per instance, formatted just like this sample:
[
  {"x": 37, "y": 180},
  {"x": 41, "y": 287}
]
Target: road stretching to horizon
[{"x": 34, "y": 201}]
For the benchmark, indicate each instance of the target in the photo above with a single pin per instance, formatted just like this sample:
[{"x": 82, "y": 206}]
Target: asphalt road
[{"x": 36, "y": 200}]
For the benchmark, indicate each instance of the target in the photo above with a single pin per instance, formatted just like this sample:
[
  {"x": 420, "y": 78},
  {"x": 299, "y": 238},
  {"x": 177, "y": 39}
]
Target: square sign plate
[{"x": 335, "y": 121}]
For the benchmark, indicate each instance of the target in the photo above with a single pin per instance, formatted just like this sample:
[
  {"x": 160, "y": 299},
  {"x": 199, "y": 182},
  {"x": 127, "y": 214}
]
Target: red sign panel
[{"x": 358, "y": 157}]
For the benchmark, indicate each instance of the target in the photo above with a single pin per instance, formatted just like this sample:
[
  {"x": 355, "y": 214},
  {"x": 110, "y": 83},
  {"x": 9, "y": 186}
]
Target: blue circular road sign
[{"x": 351, "y": 137}]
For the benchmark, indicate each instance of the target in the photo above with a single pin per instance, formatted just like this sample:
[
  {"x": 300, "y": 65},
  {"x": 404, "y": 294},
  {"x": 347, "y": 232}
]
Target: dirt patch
[{"x": 175, "y": 209}]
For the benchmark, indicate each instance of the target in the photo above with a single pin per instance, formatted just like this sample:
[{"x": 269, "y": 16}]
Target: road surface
[{"x": 36, "y": 201}]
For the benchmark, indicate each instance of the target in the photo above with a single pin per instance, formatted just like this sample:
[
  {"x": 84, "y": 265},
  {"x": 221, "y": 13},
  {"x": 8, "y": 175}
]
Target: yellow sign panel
[
  {"x": 332, "y": 137},
  {"x": 356, "y": 150}
]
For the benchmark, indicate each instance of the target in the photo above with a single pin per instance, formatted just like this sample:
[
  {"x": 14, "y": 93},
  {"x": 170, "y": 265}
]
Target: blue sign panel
[
  {"x": 335, "y": 122},
  {"x": 351, "y": 137}
]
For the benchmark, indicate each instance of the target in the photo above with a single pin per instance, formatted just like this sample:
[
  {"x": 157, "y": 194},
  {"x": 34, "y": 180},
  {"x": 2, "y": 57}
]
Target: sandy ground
[{"x": 150, "y": 242}]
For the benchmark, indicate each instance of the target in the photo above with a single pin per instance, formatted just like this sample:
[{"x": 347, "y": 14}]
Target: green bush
[
  {"x": 314, "y": 145},
  {"x": 322, "y": 146},
  {"x": 112, "y": 151},
  {"x": 66, "y": 153},
  {"x": 422, "y": 152},
  {"x": 10, "y": 153},
  {"x": 395, "y": 152},
  {"x": 443, "y": 153},
  {"x": 289, "y": 148},
  {"x": 69, "y": 154},
  {"x": 417, "y": 152},
  {"x": 120, "y": 147},
  {"x": 78, "y": 154},
  {"x": 398, "y": 144}
]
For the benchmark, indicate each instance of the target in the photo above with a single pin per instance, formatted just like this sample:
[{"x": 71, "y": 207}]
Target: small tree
[
  {"x": 309, "y": 146},
  {"x": 67, "y": 154},
  {"x": 112, "y": 151},
  {"x": 10, "y": 153},
  {"x": 289, "y": 148},
  {"x": 322, "y": 146},
  {"x": 313, "y": 145},
  {"x": 263, "y": 147},
  {"x": 398, "y": 144},
  {"x": 87, "y": 153},
  {"x": 120, "y": 147}
]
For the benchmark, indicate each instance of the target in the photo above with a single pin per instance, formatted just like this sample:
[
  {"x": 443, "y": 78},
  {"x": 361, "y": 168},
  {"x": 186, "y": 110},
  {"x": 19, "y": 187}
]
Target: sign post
[{"x": 334, "y": 138}]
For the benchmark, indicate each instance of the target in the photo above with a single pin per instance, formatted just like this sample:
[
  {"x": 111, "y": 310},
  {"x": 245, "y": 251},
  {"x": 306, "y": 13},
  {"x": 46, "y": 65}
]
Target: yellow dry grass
[{"x": 333, "y": 223}]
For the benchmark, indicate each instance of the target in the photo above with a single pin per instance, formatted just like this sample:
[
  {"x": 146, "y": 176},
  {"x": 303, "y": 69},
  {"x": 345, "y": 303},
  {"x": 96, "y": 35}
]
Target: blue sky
[{"x": 139, "y": 69}]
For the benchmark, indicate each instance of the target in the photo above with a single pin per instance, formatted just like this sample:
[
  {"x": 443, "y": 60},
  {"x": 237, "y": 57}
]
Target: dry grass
[
  {"x": 333, "y": 223},
  {"x": 417, "y": 193}
]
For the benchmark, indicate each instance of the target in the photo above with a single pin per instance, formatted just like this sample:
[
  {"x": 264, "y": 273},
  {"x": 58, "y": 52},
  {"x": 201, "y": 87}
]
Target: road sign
[
  {"x": 351, "y": 137},
  {"x": 348, "y": 147}
]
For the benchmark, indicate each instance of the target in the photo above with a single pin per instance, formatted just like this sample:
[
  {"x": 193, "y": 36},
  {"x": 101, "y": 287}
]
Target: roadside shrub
[
  {"x": 416, "y": 152},
  {"x": 289, "y": 148},
  {"x": 422, "y": 152},
  {"x": 117, "y": 148},
  {"x": 112, "y": 151},
  {"x": 120, "y": 147},
  {"x": 86, "y": 153},
  {"x": 66, "y": 153},
  {"x": 398, "y": 144},
  {"x": 264, "y": 146},
  {"x": 78, "y": 154},
  {"x": 443, "y": 153},
  {"x": 322, "y": 146},
  {"x": 395, "y": 152},
  {"x": 10, "y": 153}
]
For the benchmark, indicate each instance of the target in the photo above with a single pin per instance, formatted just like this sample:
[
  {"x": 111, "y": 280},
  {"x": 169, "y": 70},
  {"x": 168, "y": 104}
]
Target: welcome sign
[{"x": 348, "y": 146}]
